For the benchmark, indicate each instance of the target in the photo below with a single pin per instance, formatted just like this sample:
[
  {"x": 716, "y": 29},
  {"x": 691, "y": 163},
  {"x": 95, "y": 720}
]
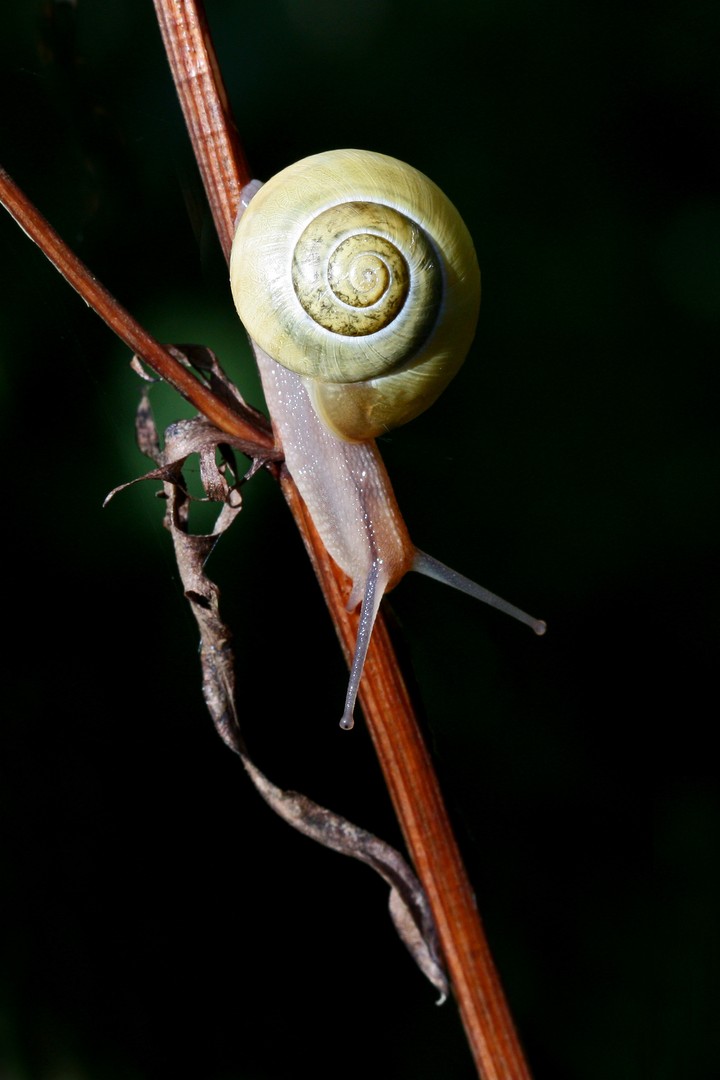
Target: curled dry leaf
[{"x": 408, "y": 904}]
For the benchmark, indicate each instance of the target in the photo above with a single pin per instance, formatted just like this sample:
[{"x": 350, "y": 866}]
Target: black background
[{"x": 156, "y": 919}]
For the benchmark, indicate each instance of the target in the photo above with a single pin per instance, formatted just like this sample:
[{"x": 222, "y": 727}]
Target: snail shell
[{"x": 353, "y": 270}]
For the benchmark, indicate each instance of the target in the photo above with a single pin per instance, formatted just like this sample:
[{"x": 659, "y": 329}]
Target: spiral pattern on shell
[{"x": 355, "y": 271}]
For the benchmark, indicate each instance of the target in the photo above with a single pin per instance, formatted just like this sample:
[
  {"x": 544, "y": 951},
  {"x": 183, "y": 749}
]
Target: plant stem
[
  {"x": 258, "y": 440},
  {"x": 406, "y": 764}
]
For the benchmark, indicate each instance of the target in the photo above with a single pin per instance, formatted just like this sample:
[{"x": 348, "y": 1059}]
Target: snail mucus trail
[{"x": 358, "y": 283}]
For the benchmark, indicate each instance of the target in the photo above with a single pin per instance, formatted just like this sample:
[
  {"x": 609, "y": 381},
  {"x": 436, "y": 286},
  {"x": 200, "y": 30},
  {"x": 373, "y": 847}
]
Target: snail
[{"x": 357, "y": 281}]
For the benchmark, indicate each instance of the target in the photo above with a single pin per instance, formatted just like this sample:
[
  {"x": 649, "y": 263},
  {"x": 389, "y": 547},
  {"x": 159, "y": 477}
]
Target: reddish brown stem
[
  {"x": 406, "y": 764},
  {"x": 259, "y": 442}
]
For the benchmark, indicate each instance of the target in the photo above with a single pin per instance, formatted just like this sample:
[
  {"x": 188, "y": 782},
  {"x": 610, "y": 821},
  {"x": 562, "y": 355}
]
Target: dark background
[{"x": 155, "y": 918}]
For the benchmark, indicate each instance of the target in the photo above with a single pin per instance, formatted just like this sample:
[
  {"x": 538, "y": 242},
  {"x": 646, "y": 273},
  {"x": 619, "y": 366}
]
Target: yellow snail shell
[{"x": 353, "y": 270}]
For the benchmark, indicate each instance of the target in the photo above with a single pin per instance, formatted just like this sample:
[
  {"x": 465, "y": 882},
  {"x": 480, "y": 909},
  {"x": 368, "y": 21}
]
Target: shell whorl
[{"x": 355, "y": 271}]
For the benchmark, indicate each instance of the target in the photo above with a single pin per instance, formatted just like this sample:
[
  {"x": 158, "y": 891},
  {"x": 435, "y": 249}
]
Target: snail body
[{"x": 358, "y": 284}]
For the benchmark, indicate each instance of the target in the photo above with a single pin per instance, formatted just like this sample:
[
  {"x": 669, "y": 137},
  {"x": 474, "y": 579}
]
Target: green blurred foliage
[{"x": 157, "y": 920}]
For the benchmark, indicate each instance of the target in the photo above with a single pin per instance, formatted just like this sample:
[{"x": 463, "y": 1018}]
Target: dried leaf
[
  {"x": 408, "y": 904},
  {"x": 183, "y": 438}
]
